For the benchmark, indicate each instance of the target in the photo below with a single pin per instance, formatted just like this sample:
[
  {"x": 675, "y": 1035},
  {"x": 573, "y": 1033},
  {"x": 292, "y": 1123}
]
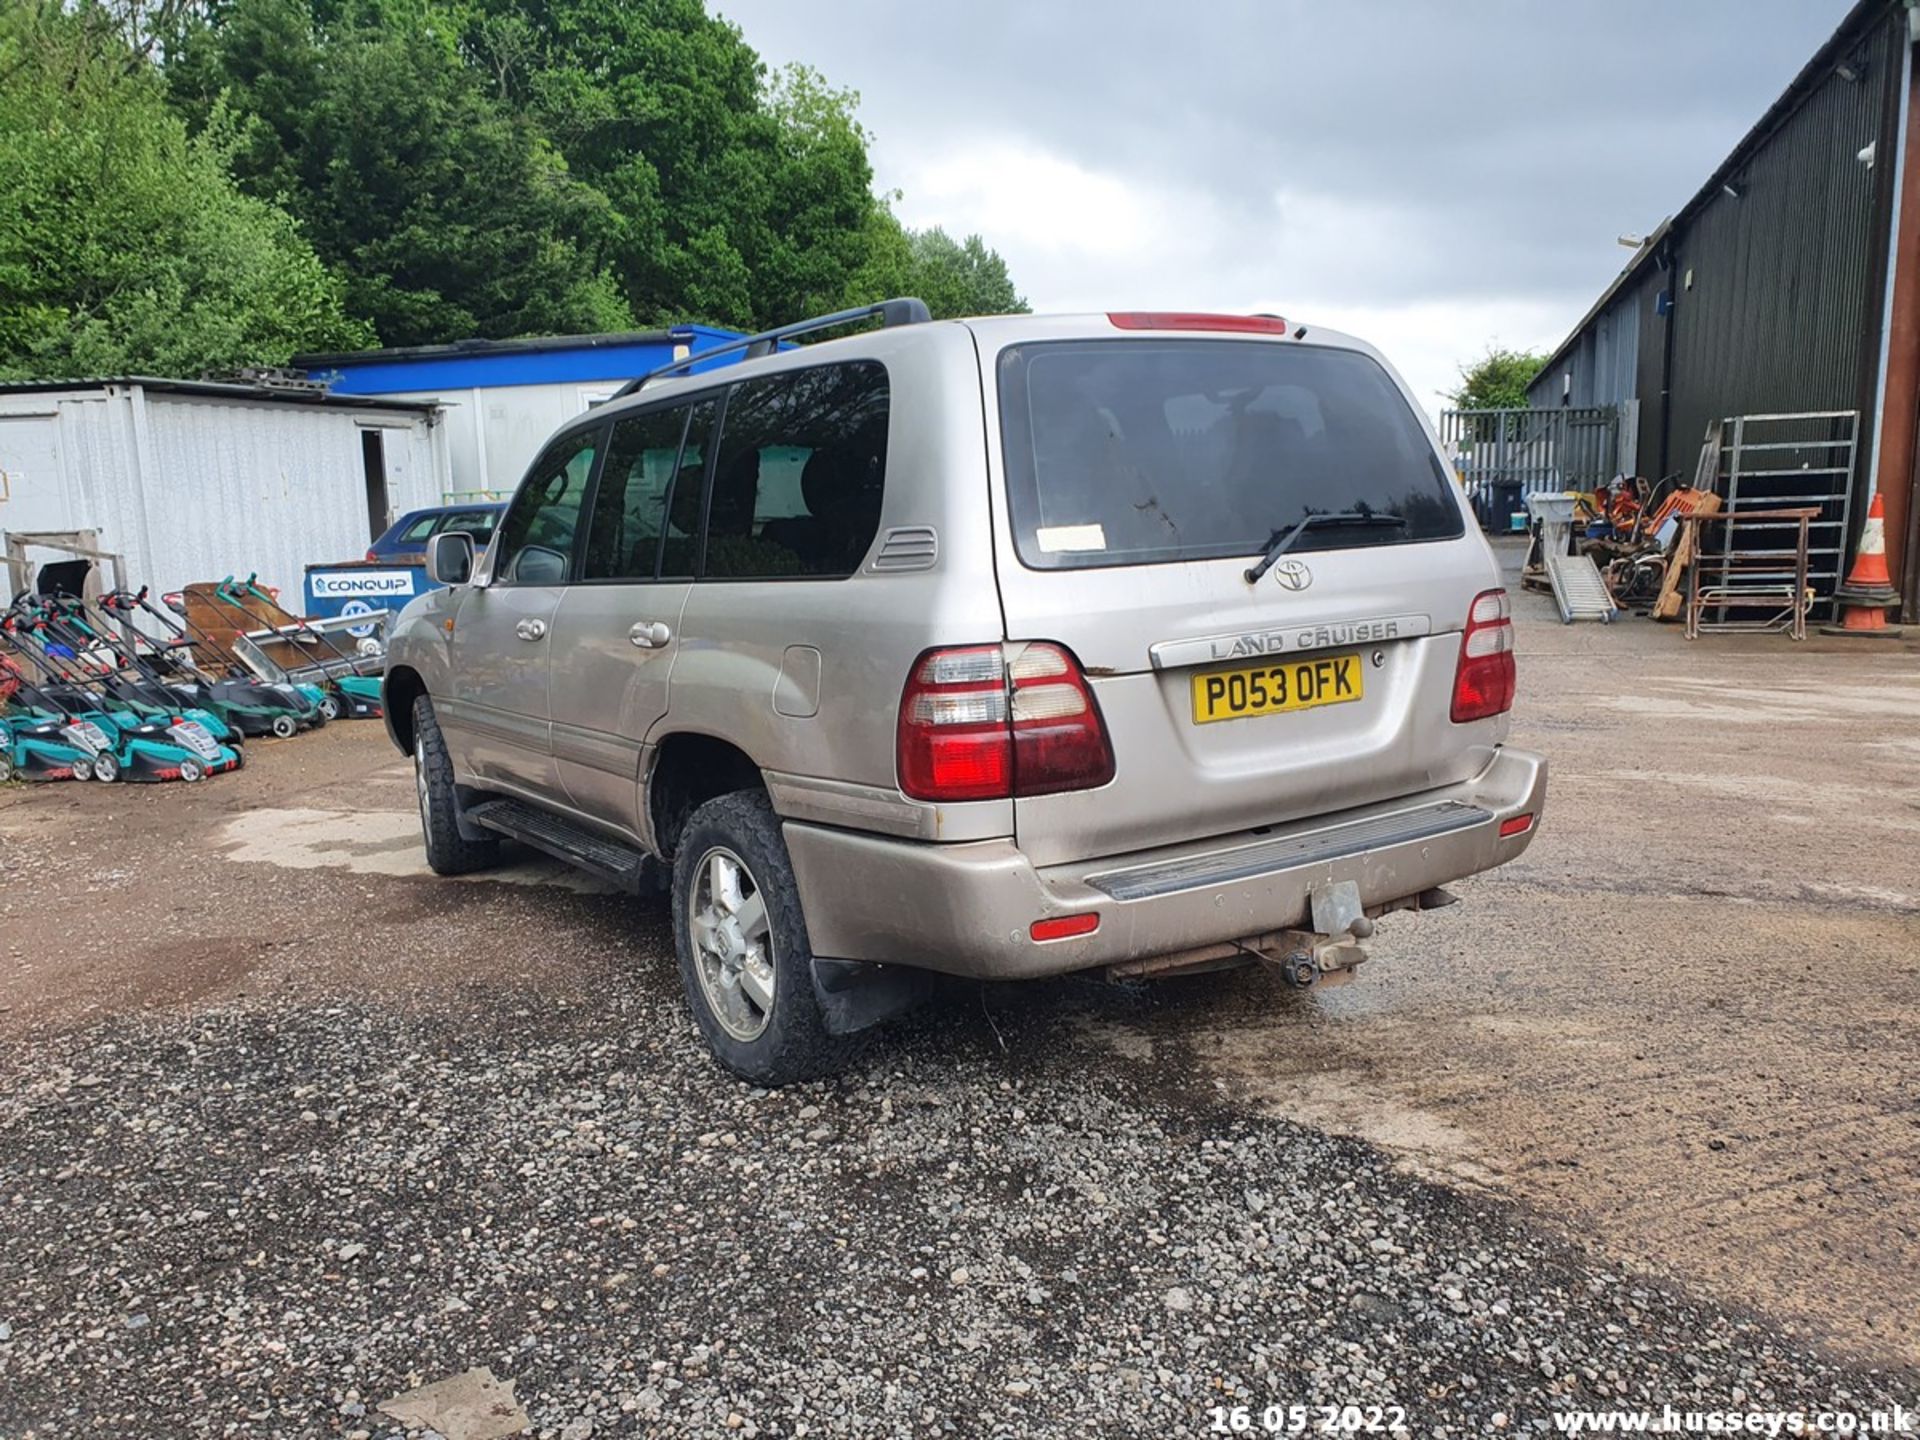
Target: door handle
[
  {"x": 650, "y": 634},
  {"x": 531, "y": 629}
]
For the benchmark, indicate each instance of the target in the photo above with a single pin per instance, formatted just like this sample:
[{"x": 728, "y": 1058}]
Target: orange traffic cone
[{"x": 1868, "y": 589}]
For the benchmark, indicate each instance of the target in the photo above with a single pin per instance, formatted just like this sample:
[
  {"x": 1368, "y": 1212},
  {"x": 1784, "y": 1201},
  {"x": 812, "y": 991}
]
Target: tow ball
[{"x": 1333, "y": 947}]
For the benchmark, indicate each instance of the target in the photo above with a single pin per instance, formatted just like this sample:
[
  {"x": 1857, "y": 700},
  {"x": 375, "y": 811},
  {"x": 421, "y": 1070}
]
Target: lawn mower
[
  {"x": 250, "y": 707},
  {"x": 240, "y": 655},
  {"x": 341, "y": 672},
  {"x": 259, "y": 706},
  {"x": 33, "y": 746},
  {"x": 123, "y": 744},
  {"x": 115, "y": 668}
]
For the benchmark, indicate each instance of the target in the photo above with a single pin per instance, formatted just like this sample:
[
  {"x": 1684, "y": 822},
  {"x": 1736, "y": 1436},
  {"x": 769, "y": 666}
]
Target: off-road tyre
[
  {"x": 795, "y": 1044},
  {"x": 447, "y": 852}
]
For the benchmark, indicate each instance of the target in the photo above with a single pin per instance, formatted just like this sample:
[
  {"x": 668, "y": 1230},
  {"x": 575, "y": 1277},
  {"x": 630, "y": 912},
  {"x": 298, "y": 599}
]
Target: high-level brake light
[{"x": 1195, "y": 320}]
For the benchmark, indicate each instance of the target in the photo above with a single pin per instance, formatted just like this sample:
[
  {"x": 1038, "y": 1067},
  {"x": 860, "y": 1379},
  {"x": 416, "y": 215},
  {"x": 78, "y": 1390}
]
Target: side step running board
[{"x": 565, "y": 840}]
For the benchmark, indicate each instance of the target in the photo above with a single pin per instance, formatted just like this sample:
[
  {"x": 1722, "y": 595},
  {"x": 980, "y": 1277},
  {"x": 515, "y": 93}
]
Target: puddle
[{"x": 369, "y": 842}]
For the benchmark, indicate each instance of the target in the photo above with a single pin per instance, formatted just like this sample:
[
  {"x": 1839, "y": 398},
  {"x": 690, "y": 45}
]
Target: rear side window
[
  {"x": 1134, "y": 452},
  {"x": 419, "y": 530},
  {"x": 799, "y": 478}
]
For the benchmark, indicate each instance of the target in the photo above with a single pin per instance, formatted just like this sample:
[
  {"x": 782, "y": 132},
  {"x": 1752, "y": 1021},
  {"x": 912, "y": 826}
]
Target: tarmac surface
[{"x": 1639, "y": 1120}]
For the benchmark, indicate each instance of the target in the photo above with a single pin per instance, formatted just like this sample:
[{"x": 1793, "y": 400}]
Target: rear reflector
[
  {"x": 1483, "y": 681},
  {"x": 1518, "y": 825},
  {"x": 1064, "y": 927},
  {"x": 1191, "y": 320}
]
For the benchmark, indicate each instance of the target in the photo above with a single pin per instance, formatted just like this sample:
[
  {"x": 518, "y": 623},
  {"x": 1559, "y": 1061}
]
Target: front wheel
[
  {"x": 106, "y": 767},
  {"x": 745, "y": 961},
  {"x": 448, "y": 852}
]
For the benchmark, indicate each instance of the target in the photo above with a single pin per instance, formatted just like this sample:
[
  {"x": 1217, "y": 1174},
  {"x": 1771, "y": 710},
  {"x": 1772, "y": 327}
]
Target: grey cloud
[{"x": 1502, "y": 146}]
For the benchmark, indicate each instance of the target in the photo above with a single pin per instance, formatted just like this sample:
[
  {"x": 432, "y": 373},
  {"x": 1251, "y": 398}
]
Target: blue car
[{"x": 405, "y": 541}]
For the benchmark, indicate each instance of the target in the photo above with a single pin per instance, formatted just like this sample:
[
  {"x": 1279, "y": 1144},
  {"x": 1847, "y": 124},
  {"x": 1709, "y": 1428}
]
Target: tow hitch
[{"x": 1333, "y": 948}]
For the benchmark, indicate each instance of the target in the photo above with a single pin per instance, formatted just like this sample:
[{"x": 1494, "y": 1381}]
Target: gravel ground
[
  {"x": 268, "y": 1217},
  {"x": 287, "y": 1128}
]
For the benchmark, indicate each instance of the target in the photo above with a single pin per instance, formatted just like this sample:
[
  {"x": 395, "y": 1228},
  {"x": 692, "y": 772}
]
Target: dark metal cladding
[
  {"x": 1772, "y": 277},
  {"x": 1777, "y": 294}
]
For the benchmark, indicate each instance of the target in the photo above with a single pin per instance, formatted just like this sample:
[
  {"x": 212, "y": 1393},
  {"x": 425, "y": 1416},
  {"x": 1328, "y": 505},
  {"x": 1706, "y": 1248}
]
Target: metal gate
[{"x": 1540, "y": 451}]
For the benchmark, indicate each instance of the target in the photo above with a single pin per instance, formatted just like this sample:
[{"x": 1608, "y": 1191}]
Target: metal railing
[{"x": 1575, "y": 447}]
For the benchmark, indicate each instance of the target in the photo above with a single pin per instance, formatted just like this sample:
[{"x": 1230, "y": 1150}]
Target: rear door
[
  {"x": 502, "y": 635},
  {"x": 1137, "y": 477},
  {"x": 618, "y": 629}
]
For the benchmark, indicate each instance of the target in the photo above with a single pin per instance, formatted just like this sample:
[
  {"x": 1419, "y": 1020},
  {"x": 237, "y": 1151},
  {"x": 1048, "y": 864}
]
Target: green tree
[
  {"x": 124, "y": 244},
  {"x": 1498, "y": 380},
  {"x": 450, "y": 215},
  {"x": 961, "y": 277},
  {"x": 508, "y": 167}
]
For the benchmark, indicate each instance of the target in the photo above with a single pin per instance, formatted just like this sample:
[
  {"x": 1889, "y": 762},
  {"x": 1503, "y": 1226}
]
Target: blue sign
[{"x": 361, "y": 589}]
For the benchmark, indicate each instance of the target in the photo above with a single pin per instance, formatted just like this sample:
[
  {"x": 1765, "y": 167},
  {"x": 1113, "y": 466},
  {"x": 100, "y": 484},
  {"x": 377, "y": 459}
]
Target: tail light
[
  {"x": 990, "y": 722},
  {"x": 1484, "y": 681},
  {"x": 372, "y": 557}
]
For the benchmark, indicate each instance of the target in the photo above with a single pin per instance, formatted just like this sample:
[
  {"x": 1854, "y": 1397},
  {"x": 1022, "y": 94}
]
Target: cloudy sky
[{"x": 1435, "y": 178}]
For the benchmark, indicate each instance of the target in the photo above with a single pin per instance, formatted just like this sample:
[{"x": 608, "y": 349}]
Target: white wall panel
[
  {"x": 494, "y": 434},
  {"x": 198, "y": 487}
]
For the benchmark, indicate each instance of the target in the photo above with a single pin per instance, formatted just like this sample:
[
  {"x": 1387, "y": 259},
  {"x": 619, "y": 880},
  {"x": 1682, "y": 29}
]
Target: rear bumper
[{"x": 966, "y": 909}]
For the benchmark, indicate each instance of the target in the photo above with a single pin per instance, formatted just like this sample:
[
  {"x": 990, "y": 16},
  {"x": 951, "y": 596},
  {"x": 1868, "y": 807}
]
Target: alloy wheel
[{"x": 732, "y": 943}]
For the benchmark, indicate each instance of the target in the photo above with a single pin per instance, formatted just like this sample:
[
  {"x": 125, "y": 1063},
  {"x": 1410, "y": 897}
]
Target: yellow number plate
[{"x": 1273, "y": 686}]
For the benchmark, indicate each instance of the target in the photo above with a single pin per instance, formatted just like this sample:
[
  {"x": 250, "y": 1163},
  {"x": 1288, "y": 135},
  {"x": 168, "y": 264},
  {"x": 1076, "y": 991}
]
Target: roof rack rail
[{"x": 904, "y": 310}]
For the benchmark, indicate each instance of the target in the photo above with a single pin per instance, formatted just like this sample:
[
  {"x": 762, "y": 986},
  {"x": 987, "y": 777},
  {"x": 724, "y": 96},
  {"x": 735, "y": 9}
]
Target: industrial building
[
  {"x": 502, "y": 398},
  {"x": 192, "y": 481},
  {"x": 1788, "y": 283}
]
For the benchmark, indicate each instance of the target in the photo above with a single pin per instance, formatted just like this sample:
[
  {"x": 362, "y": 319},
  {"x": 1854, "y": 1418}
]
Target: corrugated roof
[
  {"x": 477, "y": 349},
  {"x": 1851, "y": 30},
  {"x": 219, "y": 390}
]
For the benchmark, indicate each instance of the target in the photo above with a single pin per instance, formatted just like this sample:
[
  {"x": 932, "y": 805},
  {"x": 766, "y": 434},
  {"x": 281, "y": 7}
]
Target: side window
[
  {"x": 630, "y": 507},
  {"x": 798, "y": 481},
  {"x": 536, "y": 541},
  {"x": 419, "y": 530}
]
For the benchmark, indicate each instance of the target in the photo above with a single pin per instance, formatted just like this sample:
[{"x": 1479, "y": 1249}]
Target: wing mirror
[{"x": 450, "y": 558}]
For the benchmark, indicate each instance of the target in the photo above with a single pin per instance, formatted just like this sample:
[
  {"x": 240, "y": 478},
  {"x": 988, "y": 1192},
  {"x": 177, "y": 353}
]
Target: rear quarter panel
[{"x": 836, "y": 766}]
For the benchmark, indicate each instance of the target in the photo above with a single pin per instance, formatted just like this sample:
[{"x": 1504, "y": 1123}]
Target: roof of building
[
  {"x": 1863, "y": 15},
  {"x": 219, "y": 390},
  {"x": 492, "y": 364},
  {"x": 477, "y": 349}
]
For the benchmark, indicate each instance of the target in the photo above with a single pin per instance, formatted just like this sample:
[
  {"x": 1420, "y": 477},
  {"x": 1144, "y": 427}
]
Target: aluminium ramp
[{"x": 1578, "y": 588}]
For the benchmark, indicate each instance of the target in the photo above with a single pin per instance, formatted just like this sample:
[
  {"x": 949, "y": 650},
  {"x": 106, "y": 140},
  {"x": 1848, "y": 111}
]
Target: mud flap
[{"x": 856, "y": 995}]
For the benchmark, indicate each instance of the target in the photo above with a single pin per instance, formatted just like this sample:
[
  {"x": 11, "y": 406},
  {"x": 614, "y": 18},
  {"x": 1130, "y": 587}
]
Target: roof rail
[{"x": 902, "y": 311}]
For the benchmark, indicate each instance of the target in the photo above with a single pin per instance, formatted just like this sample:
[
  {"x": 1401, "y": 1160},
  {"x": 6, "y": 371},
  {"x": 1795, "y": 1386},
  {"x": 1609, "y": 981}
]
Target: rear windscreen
[{"x": 1131, "y": 452}]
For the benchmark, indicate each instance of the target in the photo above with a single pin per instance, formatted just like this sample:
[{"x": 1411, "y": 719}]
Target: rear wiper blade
[{"x": 1280, "y": 542}]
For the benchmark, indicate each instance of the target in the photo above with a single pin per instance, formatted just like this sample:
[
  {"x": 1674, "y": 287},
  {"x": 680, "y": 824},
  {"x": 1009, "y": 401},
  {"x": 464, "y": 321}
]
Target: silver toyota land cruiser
[{"x": 1139, "y": 643}]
